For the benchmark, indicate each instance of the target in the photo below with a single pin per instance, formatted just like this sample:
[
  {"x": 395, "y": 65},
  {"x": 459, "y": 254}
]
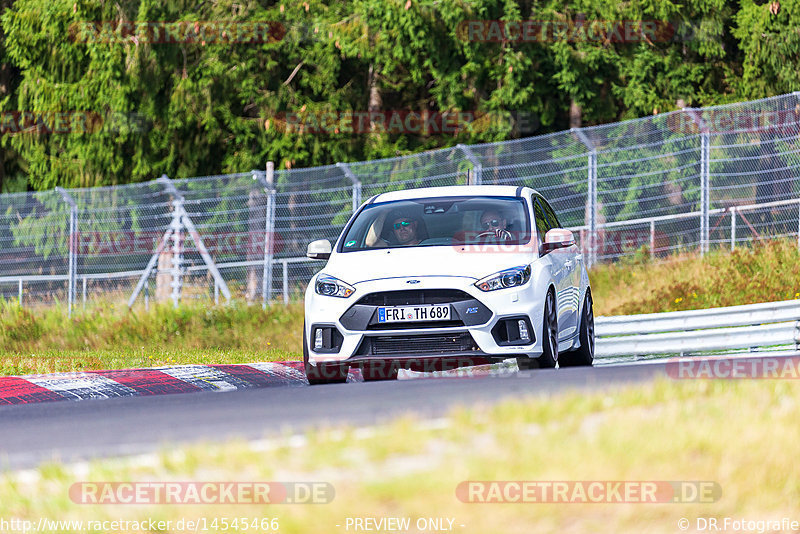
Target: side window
[
  {"x": 551, "y": 215},
  {"x": 541, "y": 220}
]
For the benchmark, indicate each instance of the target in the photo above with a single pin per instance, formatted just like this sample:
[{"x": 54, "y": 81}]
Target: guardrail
[{"x": 753, "y": 327}]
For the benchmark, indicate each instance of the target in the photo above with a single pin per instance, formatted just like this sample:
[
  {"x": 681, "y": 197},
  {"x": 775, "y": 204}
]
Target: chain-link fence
[{"x": 693, "y": 179}]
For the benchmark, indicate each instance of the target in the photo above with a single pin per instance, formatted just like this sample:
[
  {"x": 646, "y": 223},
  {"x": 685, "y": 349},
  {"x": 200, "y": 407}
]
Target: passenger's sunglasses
[
  {"x": 494, "y": 223},
  {"x": 401, "y": 224}
]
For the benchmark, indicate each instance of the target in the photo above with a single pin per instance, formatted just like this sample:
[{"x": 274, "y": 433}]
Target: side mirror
[
  {"x": 319, "y": 249},
  {"x": 557, "y": 238}
]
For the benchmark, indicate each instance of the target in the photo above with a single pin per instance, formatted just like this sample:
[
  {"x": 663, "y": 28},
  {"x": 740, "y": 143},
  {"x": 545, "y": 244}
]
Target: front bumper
[{"x": 471, "y": 331}]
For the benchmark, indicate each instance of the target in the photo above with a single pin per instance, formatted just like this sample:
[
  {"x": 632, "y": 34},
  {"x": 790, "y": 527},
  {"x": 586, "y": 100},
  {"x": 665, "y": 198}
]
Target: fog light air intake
[
  {"x": 513, "y": 331},
  {"x": 326, "y": 339}
]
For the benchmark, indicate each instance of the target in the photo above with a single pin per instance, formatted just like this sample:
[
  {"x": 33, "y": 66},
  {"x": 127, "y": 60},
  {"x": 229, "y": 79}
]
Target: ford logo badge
[{"x": 412, "y": 281}]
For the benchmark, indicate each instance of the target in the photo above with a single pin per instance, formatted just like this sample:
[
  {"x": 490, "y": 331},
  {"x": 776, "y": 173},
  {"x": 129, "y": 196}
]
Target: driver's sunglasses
[
  {"x": 401, "y": 224},
  {"x": 494, "y": 223}
]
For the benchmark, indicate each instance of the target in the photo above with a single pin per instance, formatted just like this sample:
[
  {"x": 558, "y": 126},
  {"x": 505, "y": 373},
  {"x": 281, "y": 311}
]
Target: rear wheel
[
  {"x": 583, "y": 355},
  {"x": 322, "y": 373},
  {"x": 549, "y": 333}
]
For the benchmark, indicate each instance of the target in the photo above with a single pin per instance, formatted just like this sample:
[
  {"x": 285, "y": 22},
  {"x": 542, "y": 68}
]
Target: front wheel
[
  {"x": 322, "y": 373},
  {"x": 549, "y": 333},
  {"x": 583, "y": 356}
]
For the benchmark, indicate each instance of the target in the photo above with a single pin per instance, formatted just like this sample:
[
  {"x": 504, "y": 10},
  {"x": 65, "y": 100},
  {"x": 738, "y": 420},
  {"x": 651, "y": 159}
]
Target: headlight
[
  {"x": 514, "y": 277},
  {"x": 333, "y": 287}
]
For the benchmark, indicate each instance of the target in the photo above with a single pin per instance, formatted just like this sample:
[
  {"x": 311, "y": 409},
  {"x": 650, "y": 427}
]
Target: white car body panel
[
  {"x": 358, "y": 267},
  {"x": 449, "y": 267}
]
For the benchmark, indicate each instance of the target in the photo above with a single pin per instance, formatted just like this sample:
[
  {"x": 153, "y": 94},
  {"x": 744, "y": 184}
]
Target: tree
[{"x": 769, "y": 42}]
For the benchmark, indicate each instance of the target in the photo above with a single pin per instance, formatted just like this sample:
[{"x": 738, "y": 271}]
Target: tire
[
  {"x": 549, "y": 333},
  {"x": 334, "y": 373},
  {"x": 583, "y": 356}
]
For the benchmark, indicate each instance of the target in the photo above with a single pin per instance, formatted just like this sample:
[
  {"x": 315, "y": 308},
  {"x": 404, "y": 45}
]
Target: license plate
[{"x": 409, "y": 314}]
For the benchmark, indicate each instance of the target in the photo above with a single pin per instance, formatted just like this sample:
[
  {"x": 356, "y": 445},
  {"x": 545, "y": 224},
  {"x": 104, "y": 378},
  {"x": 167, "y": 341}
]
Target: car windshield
[{"x": 424, "y": 222}]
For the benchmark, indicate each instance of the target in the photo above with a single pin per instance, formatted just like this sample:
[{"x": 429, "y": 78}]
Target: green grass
[
  {"x": 191, "y": 326},
  {"x": 762, "y": 273},
  {"x": 111, "y": 336},
  {"x": 662, "y": 431}
]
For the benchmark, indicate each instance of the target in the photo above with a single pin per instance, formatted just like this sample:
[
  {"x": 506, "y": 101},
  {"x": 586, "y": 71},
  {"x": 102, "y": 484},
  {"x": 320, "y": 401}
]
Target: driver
[
  {"x": 405, "y": 230},
  {"x": 493, "y": 224}
]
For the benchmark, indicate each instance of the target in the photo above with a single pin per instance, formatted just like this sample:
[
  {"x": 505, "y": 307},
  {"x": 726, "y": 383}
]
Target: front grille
[
  {"x": 414, "y": 296},
  {"x": 416, "y": 325},
  {"x": 427, "y": 344}
]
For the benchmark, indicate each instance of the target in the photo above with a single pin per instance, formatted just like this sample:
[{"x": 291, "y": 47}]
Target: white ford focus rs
[{"x": 464, "y": 274}]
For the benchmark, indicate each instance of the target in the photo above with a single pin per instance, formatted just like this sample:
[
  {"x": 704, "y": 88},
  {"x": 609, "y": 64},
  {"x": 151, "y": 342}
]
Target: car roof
[{"x": 454, "y": 191}]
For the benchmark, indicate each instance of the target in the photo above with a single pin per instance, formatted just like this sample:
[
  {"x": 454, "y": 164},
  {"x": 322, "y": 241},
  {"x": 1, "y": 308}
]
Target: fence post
[
  {"x": 595, "y": 208},
  {"x": 356, "y": 184},
  {"x": 269, "y": 230},
  {"x": 84, "y": 292},
  {"x": 20, "y": 292},
  {"x": 71, "y": 255},
  {"x": 705, "y": 178},
  {"x": 733, "y": 228},
  {"x": 285, "y": 282},
  {"x": 180, "y": 222},
  {"x": 476, "y": 176},
  {"x": 177, "y": 250},
  {"x": 798, "y": 225},
  {"x": 705, "y": 193},
  {"x": 652, "y": 239},
  {"x": 177, "y": 235},
  {"x": 591, "y": 199}
]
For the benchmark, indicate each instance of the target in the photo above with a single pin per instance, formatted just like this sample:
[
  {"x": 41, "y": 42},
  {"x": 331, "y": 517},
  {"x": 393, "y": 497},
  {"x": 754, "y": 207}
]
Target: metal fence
[
  {"x": 693, "y": 179},
  {"x": 763, "y": 327}
]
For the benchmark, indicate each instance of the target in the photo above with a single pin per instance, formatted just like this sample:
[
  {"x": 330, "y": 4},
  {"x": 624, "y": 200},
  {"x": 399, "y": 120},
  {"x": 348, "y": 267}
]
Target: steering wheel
[{"x": 501, "y": 235}]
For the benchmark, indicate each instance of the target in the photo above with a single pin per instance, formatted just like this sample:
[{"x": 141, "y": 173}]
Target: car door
[
  {"x": 570, "y": 283},
  {"x": 558, "y": 266}
]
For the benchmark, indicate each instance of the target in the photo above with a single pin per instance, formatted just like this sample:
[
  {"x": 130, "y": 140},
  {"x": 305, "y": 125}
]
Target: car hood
[{"x": 367, "y": 265}]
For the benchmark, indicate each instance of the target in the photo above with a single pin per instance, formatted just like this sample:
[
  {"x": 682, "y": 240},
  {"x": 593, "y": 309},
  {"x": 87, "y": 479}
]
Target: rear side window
[
  {"x": 542, "y": 225},
  {"x": 552, "y": 220}
]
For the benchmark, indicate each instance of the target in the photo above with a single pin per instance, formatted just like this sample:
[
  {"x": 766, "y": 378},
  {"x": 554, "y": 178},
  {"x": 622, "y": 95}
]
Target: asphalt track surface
[{"x": 74, "y": 431}]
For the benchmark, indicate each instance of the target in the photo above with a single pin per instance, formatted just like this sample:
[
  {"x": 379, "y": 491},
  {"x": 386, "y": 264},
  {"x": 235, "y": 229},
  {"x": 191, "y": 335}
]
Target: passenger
[
  {"x": 405, "y": 231},
  {"x": 494, "y": 225}
]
